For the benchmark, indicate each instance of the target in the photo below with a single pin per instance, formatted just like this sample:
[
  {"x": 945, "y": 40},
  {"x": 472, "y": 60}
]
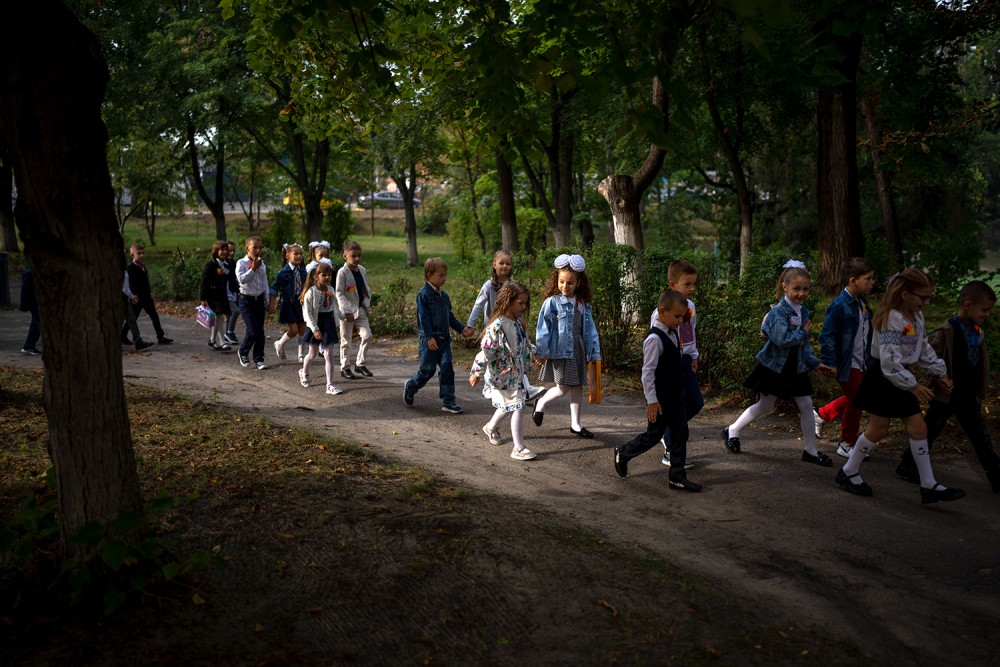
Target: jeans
[{"x": 430, "y": 361}]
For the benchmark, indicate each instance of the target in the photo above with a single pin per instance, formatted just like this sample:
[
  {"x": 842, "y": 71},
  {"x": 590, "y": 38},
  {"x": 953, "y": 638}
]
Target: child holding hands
[
  {"x": 216, "y": 281},
  {"x": 319, "y": 308},
  {"x": 504, "y": 358},
  {"x": 783, "y": 364},
  {"x": 354, "y": 298},
  {"x": 287, "y": 288},
  {"x": 889, "y": 389},
  {"x": 566, "y": 338},
  {"x": 664, "y": 388}
]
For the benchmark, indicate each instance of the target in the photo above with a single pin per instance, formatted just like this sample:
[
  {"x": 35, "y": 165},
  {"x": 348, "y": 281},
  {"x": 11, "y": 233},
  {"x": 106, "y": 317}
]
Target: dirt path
[{"x": 919, "y": 584}]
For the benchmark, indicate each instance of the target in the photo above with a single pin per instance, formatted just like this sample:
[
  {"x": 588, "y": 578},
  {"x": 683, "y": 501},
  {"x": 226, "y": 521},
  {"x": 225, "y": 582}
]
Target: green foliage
[
  {"x": 434, "y": 217},
  {"x": 949, "y": 253},
  {"x": 337, "y": 226},
  {"x": 181, "y": 277},
  {"x": 121, "y": 559},
  {"x": 615, "y": 280},
  {"x": 286, "y": 227},
  {"x": 394, "y": 312}
]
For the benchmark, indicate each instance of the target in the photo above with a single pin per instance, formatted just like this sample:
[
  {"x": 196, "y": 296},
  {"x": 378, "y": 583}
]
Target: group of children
[{"x": 867, "y": 353}]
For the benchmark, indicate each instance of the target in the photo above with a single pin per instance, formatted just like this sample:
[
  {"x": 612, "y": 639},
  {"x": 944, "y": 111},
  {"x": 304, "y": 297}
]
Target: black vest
[
  {"x": 669, "y": 387},
  {"x": 962, "y": 371}
]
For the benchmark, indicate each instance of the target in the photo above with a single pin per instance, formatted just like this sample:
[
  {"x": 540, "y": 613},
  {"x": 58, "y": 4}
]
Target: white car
[{"x": 385, "y": 199}]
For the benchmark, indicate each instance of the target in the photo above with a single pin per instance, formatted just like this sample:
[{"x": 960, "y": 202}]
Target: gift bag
[
  {"x": 206, "y": 317},
  {"x": 594, "y": 380}
]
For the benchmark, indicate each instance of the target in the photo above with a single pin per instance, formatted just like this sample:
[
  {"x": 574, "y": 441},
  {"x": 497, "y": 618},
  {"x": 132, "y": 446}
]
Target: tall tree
[
  {"x": 51, "y": 88},
  {"x": 8, "y": 232}
]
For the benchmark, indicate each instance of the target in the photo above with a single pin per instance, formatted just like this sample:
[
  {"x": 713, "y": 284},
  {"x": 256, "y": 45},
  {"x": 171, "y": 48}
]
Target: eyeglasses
[{"x": 926, "y": 298}]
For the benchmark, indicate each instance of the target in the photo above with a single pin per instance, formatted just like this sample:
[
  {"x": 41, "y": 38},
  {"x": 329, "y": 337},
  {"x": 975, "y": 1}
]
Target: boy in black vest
[
  {"x": 959, "y": 341},
  {"x": 663, "y": 386},
  {"x": 139, "y": 284}
]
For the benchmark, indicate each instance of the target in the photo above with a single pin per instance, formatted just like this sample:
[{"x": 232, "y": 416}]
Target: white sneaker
[
  {"x": 333, "y": 389},
  {"x": 819, "y": 424},
  {"x": 261, "y": 366},
  {"x": 279, "y": 350},
  {"x": 845, "y": 450},
  {"x": 301, "y": 356},
  {"x": 522, "y": 454},
  {"x": 534, "y": 392},
  {"x": 494, "y": 436},
  {"x": 303, "y": 378}
]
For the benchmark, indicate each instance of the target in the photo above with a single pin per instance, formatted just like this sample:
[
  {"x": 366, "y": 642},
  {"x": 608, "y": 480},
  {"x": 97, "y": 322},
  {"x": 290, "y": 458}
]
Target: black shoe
[
  {"x": 940, "y": 492},
  {"x": 684, "y": 485},
  {"x": 820, "y": 459},
  {"x": 860, "y": 489},
  {"x": 732, "y": 444},
  {"x": 364, "y": 371},
  {"x": 994, "y": 477},
  {"x": 907, "y": 474},
  {"x": 142, "y": 345},
  {"x": 230, "y": 338},
  {"x": 583, "y": 433},
  {"x": 621, "y": 463},
  {"x": 346, "y": 373},
  {"x": 537, "y": 417},
  {"x": 163, "y": 340}
]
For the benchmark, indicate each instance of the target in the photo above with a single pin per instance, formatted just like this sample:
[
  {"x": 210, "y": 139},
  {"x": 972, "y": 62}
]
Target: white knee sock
[
  {"x": 858, "y": 454},
  {"x": 494, "y": 421},
  {"x": 284, "y": 339},
  {"x": 554, "y": 392},
  {"x": 807, "y": 422},
  {"x": 328, "y": 358},
  {"x": 922, "y": 456},
  {"x": 307, "y": 360},
  {"x": 517, "y": 428},
  {"x": 761, "y": 407},
  {"x": 575, "y": 404}
]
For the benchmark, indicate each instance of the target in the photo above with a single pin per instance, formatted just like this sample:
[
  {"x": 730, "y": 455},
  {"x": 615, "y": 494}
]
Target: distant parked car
[{"x": 385, "y": 199}]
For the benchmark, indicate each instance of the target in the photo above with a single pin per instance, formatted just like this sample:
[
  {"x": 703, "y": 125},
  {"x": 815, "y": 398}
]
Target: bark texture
[
  {"x": 508, "y": 216},
  {"x": 51, "y": 88}
]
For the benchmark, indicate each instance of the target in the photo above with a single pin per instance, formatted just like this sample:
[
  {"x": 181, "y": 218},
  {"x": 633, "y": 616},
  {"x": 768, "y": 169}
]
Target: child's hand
[
  {"x": 539, "y": 361},
  {"x": 432, "y": 344},
  {"x": 652, "y": 412},
  {"x": 946, "y": 383},
  {"x": 923, "y": 393},
  {"x": 204, "y": 304},
  {"x": 133, "y": 299},
  {"x": 256, "y": 263},
  {"x": 828, "y": 371},
  {"x": 473, "y": 380},
  {"x": 694, "y": 365},
  {"x": 468, "y": 331},
  {"x": 808, "y": 326},
  {"x": 348, "y": 317}
]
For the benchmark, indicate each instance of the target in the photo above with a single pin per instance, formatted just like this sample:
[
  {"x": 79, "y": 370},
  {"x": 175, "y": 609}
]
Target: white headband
[
  {"x": 325, "y": 244},
  {"x": 313, "y": 264},
  {"x": 575, "y": 262}
]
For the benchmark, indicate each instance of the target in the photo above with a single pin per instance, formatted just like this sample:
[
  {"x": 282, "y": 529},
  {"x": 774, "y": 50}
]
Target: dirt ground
[{"x": 887, "y": 579}]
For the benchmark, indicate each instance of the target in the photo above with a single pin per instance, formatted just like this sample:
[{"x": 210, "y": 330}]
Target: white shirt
[
  {"x": 685, "y": 332},
  {"x": 252, "y": 283},
  {"x": 858, "y": 352}
]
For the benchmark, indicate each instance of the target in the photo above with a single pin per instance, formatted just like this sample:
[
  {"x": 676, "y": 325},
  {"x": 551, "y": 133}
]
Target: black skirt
[
  {"x": 877, "y": 396},
  {"x": 785, "y": 385}
]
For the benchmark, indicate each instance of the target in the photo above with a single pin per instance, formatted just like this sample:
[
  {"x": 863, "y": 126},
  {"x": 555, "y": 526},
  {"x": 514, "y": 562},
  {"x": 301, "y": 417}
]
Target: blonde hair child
[{"x": 319, "y": 306}]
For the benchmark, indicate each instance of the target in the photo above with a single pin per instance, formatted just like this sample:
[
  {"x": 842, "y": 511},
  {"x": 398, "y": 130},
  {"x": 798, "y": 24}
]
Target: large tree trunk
[
  {"x": 890, "y": 225},
  {"x": 216, "y": 203},
  {"x": 838, "y": 193},
  {"x": 8, "y": 233},
  {"x": 508, "y": 215},
  {"x": 312, "y": 182},
  {"x": 564, "y": 176},
  {"x": 51, "y": 88}
]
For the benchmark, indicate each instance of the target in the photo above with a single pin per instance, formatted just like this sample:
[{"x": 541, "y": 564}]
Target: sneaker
[
  {"x": 819, "y": 424},
  {"x": 407, "y": 396},
  {"x": 364, "y": 371},
  {"x": 732, "y": 444},
  {"x": 261, "y": 366},
  {"x": 844, "y": 449},
  {"x": 244, "y": 361},
  {"x": 621, "y": 463},
  {"x": 688, "y": 464},
  {"x": 535, "y": 392},
  {"x": 859, "y": 489},
  {"x": 30, "y": 351},
  {"x": 453, "y": 408},
  {"x": 684, "y": 485},
  {"x": 301, "y": 357},
  {"x": 494, "y": 436},
  {"x": 142, "y": 344},
  {"x": 522, "y": 454},
  {"x": 303, "y": 378},
  {"x": 333, "y": 389},
  {"x": 230, "y": 338},
  {"x": 163, "y": 340},
  {"x": 346, "y": 373},
  {"x": 279, "y": 350}
]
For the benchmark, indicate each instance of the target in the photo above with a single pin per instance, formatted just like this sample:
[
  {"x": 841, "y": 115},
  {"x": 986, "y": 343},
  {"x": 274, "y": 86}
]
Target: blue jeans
[
  {"x": 430, "y": 361},
  {"x": 252, "y": 309}
]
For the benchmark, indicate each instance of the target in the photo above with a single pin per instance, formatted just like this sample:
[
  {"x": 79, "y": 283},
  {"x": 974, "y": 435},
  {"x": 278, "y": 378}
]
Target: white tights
[
  {"x": 807, "y": 421},
  {"x": 328, "y": 358},
  {"x": 516, "y": 425},
  {"x": 575, "y": 402}
]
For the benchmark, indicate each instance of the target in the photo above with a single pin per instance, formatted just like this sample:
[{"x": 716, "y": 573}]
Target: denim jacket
[
  {"x": 285, "y": 282},
  {"x": 434, "y": 314},
  {"x": 840, "y": 327},
  {"x": 782, "y": 336},
  {"x": 554, "y": 331}
]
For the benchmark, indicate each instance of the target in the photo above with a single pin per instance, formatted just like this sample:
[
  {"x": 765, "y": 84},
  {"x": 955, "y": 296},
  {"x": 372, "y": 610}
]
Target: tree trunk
[
  {"x": 215, "y": 204},
  {"x": 8, "y": 233},
  {"x": 51, "y": 88},
  {"x": 869, "y": 110},
  {"x": 508, "y": 215},
  {"x": 564, "y": 176}
]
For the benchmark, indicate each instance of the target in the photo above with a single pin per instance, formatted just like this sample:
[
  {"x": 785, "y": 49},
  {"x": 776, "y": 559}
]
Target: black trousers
[
  {"x": 674, "y": 417},
  {"x": 969, "y": 415}
]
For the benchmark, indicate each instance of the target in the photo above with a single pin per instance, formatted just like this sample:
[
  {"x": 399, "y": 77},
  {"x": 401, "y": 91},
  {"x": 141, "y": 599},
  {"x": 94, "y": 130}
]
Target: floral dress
[{"x": 504, "y": 356}]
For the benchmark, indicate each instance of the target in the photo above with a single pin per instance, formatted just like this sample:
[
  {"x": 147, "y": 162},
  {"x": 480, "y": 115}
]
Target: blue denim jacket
[
  {"x": 434, "y": 314},
  {"x": 782, "y": 337},
  {"x": 284, "y": 282},
  {"x": 836, "y": 340},
  {"x": 554, "y": 331}
]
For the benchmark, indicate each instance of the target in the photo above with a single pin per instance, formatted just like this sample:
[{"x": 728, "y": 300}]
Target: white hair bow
[
  {"x": 794, "y": 264},
  {"x": 575, "y": 262},
  {"x": 313, "y": 244}
]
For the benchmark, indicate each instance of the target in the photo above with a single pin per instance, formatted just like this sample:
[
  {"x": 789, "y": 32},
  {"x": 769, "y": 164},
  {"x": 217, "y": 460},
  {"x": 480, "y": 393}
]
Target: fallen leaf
[
  {"x": 197, "y": 599},
  {"x": 782, "y": 634},
  {"x": 442, "y": 531},
  {"x": 258, "y": 628},
  {"x": 287, "y": 536},
  {"x": 805, "y": 652},
  {"x": 608, "y": 605}
]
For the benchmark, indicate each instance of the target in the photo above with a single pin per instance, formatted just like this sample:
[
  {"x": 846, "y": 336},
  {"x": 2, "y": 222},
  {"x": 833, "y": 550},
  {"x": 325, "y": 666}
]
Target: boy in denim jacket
[
  {"x": 845, "y": 344},
  {"x": 434, "y": 321}
]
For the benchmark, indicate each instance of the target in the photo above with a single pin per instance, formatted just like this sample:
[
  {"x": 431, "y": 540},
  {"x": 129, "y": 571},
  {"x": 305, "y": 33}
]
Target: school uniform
[
  {"x": 567, "y": 339},
  {"x": 139, "y": 284},
  {"x": 784, "y": 361},
  {"x": 254, "y": 292},
  {"x": 353, "y": 298},
  {"x": 319, "y": 308},
  {"x": 288, "y": 288}
]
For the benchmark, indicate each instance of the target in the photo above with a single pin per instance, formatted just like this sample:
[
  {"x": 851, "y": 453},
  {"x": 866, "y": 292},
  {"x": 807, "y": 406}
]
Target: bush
[
  {"x": 394, "y": 309},
  {"x": 434, "y": 217},
  {"x": 337, "y": 226},
  {"x": 180, "y": 278},
  {"x": 615, "y": 281},
  {"x": 285, "y": 228}
]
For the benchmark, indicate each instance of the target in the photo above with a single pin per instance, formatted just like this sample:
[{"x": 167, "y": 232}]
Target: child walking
[
  {"x": 139, "y": 284},
  {"x": 502, "y": 265},
  {"x": 234, "y": 298},
  {"x": 29, "y": 303},
  {"x": 434, "y": 321},
  {"x": 504, "y": 358},
  {"x": 216, "y": 282},
  {"x": 566, "y": 338},
  {"x": 889, "y": 389},
  {"x": 845, "y": 344},
  {"x": 251, "y": 274},
  {"x": 664, "y": 388},
  {"x": 354, "y": 298},
  {"x": 783, "y": 364},
  {"x": 960, "y": 343},
  {"x": 319, "y": 307},
  {"x": 287, "y": 288}
]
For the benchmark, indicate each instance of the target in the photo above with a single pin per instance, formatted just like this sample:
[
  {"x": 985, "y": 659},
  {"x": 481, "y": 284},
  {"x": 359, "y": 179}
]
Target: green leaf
[
  {"x": 113, "y": 554},
  {"x": 170, "y": 570},
  {"x": 113, "y": 601}
]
